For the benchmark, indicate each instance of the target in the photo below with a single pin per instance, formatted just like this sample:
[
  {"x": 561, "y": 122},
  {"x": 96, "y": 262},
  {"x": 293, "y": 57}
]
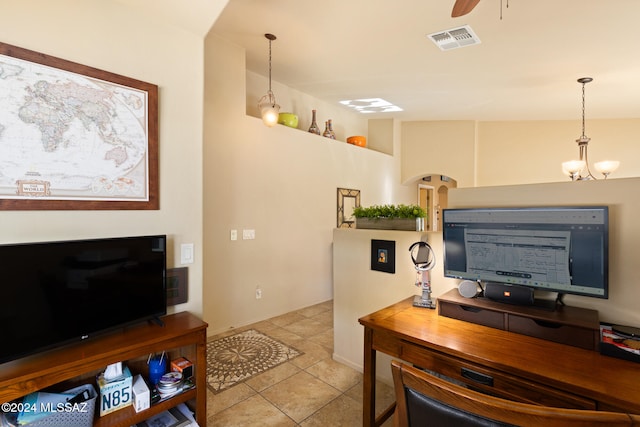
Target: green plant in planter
[{"x": 390, "y": 211}]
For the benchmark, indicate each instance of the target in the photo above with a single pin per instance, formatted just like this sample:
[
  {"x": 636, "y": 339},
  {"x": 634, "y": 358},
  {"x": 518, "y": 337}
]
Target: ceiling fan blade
[{"x": 462, "y": 7}]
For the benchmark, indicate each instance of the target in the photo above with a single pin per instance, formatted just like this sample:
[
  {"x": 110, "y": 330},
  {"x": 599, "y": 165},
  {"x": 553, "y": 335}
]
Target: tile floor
[{"x": 310, "y": 390}]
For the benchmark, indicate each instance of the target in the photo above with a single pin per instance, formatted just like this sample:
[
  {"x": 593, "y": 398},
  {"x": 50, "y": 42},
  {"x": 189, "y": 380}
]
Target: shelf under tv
[{"x": 183, "y": 334}]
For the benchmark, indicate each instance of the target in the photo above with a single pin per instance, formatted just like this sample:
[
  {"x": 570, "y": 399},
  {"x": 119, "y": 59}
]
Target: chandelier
[
  {"x": 267, "y": 104},
  {"x": 578, "y": 170}
]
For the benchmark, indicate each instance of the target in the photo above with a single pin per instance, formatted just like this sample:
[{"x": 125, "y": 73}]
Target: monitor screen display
[
  {"x": 560, "y": 249},
  {"x": 54, "y": 293}
]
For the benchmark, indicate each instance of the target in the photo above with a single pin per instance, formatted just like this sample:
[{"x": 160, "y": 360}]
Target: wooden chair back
[{"x": 423, "y": 399}]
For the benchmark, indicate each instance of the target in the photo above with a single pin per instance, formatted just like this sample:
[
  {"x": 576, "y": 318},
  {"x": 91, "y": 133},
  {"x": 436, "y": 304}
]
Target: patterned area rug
[{"x": 236, "y": 358}]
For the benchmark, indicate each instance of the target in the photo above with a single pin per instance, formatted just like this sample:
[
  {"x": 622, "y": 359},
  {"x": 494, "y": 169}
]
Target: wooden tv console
[
  {"x": 496, "y": 361},
  {"x": 183, "y": 334}
]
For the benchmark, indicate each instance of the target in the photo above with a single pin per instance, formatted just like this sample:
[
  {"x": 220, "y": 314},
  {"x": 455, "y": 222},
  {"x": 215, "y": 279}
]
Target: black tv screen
[
  {"x": 559, "y": 249},
  {"x": 54, "y": 293}
]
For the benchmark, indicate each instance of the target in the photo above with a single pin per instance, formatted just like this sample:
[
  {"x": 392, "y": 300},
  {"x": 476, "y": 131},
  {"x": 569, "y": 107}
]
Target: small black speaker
[{"x": 511, "y": 294}]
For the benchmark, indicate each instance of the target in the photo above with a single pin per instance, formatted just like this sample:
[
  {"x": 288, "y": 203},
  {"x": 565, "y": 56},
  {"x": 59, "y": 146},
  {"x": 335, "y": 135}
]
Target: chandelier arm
[{"x": 584, "y": 150}]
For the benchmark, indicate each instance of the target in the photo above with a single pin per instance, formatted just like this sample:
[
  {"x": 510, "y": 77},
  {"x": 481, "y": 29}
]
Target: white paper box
[{"x": 141, "y": 394}]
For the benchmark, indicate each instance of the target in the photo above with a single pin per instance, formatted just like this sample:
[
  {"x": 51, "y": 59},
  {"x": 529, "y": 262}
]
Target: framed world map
[{"x": 74, "y": 137}]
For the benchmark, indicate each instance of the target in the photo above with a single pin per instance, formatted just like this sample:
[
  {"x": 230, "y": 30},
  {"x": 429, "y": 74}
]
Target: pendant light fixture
[
  {"x": 579, "y": 170},
  {"x": 268, "y": 108}
]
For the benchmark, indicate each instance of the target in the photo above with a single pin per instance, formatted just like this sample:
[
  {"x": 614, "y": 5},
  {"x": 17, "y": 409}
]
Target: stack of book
[
  {"x": 179, "y": 416},
  {"x": 619, "y": 341}
]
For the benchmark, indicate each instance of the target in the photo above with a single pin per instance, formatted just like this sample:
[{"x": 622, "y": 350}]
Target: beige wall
[
  {"x": 532, "y": 151},
  {"x": 381, "y": 135},
  {"x": 439, "y": 148},
  {"x": 282, "y": 183},
  {"x": 358, "y": 290},
  {"x": 109, "y": 36},
  {"x": 518, "y": 152}
]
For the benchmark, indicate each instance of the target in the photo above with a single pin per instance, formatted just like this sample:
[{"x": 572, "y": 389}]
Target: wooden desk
[{"x": 502, "y": 363}]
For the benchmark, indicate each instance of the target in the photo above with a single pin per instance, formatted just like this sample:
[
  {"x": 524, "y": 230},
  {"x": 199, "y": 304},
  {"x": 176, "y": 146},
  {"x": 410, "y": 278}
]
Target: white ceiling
[{"x": 526, "y": 66}]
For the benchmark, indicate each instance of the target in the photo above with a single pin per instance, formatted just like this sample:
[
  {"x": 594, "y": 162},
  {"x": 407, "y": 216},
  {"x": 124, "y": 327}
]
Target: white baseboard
[
  {"x": 383, "y": 367},
  {"x": 349, "y": 363}
]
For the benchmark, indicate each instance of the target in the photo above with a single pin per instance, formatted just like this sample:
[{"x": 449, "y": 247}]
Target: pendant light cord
[
  {"x": 269, "y": 110},
  {"x": 501, "y": 8},
  {"x": 272, "y": 98},
  {"x": 270, "y": 75}
]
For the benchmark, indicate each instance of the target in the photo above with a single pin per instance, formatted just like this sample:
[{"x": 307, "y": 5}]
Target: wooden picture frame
[
  {"x": 177, "y": 286},
  {"x": 347, "y": 200},
  {"x": 74, "y": 136},
  {"x": 383, "y": 256}
]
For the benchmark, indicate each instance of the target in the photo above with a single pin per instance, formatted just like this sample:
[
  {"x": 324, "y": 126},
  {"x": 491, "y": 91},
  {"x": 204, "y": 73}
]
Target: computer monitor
[{"x": 559, "y": 249}]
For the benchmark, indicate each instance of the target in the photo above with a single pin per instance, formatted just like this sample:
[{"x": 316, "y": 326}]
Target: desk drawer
[
  {"x": 388, "y": 344},
  {"x": 480, "y": 316},
  {"x": 490, "y": 381},
  {"x": 564, "y": 334}
]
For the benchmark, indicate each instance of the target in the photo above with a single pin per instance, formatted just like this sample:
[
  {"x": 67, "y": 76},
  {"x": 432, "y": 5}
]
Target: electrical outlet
[
  {"x": 234, "y": 234},
  {"x": 258, "y": 293}
]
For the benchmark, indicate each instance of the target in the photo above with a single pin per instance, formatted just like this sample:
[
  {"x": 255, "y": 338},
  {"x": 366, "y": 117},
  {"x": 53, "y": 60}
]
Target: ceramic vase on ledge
[
  {"x": 332, "y": 134},
  {"x": 326, "y": 132},
  {"x": 314, "y": 125}
]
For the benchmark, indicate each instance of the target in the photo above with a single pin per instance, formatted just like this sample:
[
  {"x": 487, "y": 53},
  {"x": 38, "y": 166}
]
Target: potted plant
[{"x": 390, "y": 217}]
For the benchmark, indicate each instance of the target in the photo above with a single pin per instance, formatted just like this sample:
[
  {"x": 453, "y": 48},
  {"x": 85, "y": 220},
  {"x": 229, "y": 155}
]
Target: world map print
[{"x": 68, "y": 136}]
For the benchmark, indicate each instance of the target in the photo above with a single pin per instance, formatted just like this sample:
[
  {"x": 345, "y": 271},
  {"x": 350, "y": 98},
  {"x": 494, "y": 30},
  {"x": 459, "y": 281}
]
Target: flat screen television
[
  {"x": 55, "y": 293},
  {"x": 558, "y": 249}
]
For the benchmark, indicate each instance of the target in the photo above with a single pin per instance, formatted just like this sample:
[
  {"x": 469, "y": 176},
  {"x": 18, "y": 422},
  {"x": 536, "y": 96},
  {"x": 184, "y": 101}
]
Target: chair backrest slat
[{"x": 421, "y": 397}]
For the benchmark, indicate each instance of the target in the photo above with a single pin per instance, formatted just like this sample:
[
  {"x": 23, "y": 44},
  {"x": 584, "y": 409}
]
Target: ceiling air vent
[{"x": 454, "y": 38}]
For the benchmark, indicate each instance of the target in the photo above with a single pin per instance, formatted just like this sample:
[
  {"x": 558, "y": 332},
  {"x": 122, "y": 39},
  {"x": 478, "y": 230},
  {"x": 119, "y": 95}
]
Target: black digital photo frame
[{"x": 383, "y": 256}]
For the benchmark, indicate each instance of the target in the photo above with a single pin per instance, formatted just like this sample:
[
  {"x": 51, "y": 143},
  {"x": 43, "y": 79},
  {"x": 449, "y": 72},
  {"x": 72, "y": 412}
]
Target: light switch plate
[{"x": 186, "y": 253}]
